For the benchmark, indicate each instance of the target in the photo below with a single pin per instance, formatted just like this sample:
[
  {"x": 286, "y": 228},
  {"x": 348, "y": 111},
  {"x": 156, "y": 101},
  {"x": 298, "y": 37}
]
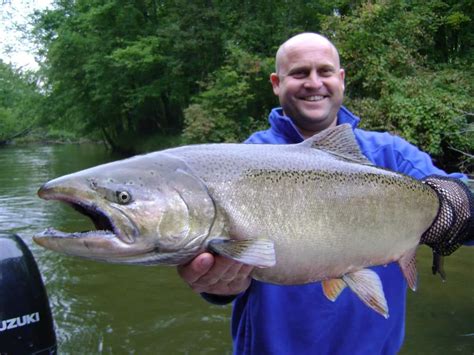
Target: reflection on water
[{"x": 103, "y": 308}]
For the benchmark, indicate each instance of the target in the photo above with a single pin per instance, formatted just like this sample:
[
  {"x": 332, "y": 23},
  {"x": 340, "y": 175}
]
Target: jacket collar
[{"x": 284, "y": 126}]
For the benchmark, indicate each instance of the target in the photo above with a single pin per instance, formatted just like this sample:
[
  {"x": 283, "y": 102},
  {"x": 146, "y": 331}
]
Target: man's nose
[{"x": 313, "y": 80}]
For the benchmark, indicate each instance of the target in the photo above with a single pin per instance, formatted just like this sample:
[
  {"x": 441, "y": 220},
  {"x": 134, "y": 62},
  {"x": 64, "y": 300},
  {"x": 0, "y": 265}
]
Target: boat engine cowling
[{"x": 26, "y": 323}]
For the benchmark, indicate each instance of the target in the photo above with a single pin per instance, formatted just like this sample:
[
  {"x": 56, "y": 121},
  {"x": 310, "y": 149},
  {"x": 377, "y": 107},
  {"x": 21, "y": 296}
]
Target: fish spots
[
  {"x": 92, "y": 183},
  {"x": 371, "y": 178},
  {"x": 300, "y": 177}
]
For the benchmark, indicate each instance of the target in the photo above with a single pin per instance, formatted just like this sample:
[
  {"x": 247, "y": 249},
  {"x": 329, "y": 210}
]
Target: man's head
[{"x": 309, "y": 82}]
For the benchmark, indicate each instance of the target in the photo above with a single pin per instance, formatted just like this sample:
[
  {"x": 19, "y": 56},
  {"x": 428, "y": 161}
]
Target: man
[{"x": 271, "y": 319}]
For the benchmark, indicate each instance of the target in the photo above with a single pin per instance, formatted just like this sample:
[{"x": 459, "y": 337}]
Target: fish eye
[{"x": 123, "y": 197}]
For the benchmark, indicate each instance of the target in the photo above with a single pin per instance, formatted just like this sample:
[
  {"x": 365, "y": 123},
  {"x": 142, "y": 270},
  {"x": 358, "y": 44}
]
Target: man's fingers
[
  {"x": 198, "y": 267},
  {"x": 235, "y": 280},
  {"x": 237, "y": 271},
  {"x": 216, "y": 273},
  {"x": 231, "y": 273},
  {"x": 230, "y": 278}
]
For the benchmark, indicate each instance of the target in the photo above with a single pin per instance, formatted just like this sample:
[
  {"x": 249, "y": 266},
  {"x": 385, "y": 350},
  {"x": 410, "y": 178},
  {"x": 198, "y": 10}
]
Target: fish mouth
[
  {"x": 113, "y": 221},
  {"x": 101, "y": 221},
  {"x": 115, "y": 233}
]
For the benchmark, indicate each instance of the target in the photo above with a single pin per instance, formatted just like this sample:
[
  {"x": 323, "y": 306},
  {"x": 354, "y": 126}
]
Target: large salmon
[{"x": 314, "y": 211}]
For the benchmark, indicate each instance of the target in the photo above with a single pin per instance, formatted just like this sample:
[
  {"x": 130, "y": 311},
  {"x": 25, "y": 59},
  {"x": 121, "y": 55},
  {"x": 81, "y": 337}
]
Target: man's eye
[
  {"x": 299, "y": 74},
  {"x": 326, "y": 72}
]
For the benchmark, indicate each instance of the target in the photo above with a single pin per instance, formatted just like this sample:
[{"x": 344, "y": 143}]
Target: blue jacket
[{"x": 271, "y": 319}]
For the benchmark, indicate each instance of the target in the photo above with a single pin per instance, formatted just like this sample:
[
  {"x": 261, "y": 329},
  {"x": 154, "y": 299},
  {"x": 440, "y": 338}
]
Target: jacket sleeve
[
  {"x": 394, "y": 153},
  {"x": 219, "y": 300},
  {"x": 412, "y": 161}
]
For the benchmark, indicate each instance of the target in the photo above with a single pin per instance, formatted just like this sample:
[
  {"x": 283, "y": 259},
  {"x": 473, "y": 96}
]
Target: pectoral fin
[
  {"x": 255, "y": 252},
  {"x": 367, "y": 286}
]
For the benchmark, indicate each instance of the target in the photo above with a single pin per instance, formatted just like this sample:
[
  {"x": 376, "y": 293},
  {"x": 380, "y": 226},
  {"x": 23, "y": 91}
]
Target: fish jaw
[
  {"x": 106, "y": 247},
  {"x": 100, "y": 244},
  {"x": 84, "y": 200},
  {"x": 116, "y": 238}
]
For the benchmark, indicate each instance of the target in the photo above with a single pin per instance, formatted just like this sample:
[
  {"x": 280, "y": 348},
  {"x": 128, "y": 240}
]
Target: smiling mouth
[{"x": 313, "y": 98}]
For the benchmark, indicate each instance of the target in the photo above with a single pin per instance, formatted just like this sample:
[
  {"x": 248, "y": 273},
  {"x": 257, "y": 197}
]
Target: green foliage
[
  {"x": 129, "y": 69},
  {"x": 105, "y": 71},
  {"x": 19, "y": 99},
  {"x": 429, "y": 110},
  {"x": 395, "y": 78},
  {"x": 135, "y": 71},
  {"x": 7, "y": 123},
  {"x": 234, "y": 100},
  {"x": 158, "y": 142},
  {"x": 380, "y": 42}
]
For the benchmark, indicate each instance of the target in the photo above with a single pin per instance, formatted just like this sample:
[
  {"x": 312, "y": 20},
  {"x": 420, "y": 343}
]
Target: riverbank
[
  {"x": 47, "y": 137},
  {"x": 58, "y": 137}
]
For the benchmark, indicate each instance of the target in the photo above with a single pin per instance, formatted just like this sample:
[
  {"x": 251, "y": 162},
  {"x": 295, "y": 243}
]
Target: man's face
[{"x": 310, "y": 85}]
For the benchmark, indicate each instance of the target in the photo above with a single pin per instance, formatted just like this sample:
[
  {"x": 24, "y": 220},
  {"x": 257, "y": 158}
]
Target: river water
[{"x": 103, "y": 308}]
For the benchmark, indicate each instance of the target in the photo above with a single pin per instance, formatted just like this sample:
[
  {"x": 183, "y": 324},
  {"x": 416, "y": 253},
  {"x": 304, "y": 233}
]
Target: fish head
[{"x": 149, "y": 209}]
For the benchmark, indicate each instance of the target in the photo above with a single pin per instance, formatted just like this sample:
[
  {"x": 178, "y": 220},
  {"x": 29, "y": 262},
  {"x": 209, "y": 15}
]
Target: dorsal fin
[{"x": 340, "y": 142}]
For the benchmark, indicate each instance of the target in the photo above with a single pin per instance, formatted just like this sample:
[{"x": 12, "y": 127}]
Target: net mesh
[{"x": 454, "y": 224}]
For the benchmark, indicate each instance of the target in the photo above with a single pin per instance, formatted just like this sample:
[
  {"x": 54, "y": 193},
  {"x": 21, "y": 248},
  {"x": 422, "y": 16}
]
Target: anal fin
[
  {"x": 255, "y": 252},
  {"x": 408, "y": 265},
  {"x": 367, "y": 286}
]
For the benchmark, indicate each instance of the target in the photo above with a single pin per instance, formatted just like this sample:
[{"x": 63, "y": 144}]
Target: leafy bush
[
  {"x": 19, "y": 98},
  {"x": 234, "y": 101},
  {"x": 428, "y": 110},
  {"x": 396, "y": 79}
]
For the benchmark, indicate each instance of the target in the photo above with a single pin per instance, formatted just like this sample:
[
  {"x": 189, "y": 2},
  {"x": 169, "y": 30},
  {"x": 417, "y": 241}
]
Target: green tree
[
  {"x": 125, "y": 68},
  {"x": 234, "y": 102},
  {"x": 91, "y": 84},
  {"x": 398, "y": 79},
  {"x": 129, "y": 68},
  {"x": 132, "y": 69},
  {"x": 19, "y": 100}
]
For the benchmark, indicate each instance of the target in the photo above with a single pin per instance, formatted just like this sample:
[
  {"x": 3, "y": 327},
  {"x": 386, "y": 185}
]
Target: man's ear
[
  {"x": 342, "y": 74},
  {"x": 275, "y": 80}
]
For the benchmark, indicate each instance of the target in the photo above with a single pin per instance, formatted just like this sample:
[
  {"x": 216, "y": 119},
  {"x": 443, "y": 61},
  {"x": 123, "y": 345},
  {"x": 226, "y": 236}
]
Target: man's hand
[{"x": 216, "y": 275}]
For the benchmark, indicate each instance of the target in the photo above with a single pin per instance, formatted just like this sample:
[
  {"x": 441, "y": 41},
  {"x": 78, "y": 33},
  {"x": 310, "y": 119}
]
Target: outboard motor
[{"x": 26, "y": 323}]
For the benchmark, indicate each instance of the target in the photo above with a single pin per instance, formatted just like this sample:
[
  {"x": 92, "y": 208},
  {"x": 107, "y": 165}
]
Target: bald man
[{"x": 273, "y": 319}]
